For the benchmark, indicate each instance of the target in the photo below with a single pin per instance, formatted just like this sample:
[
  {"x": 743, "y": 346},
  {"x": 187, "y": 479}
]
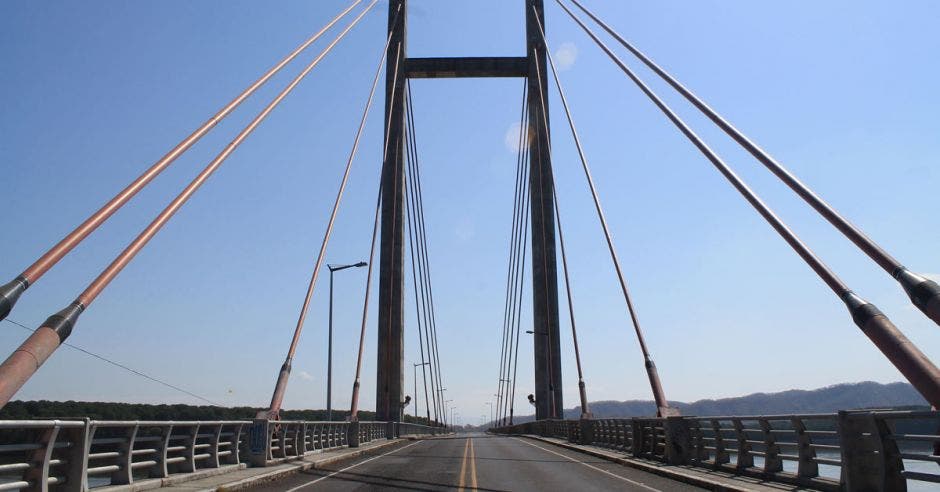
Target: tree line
[{"x": 96, "y": 410}]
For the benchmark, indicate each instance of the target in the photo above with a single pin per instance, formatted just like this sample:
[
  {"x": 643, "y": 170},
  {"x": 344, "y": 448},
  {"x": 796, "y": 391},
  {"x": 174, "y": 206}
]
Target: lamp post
[
  {"x": 499, "y": 410},
  {"x": 329, "y": 354},
  {"x": 443, "y": 415},
  {"x": 491, "y": 411},
  {"x": 416, "y": 366},
  {"x": 446, "y": 420}
]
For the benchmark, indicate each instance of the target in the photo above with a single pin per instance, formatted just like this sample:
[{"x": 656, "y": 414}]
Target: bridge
[{"x": 852, "y": 450}]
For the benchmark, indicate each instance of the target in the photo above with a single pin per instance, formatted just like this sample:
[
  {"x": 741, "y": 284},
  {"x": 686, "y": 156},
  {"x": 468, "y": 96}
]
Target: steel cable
[
  {"x": 896, "y": 347},
  {"x": 505, "y": 349},
  {"x": 417, "y": 267},
  {"x": 10, "y": 292},
  {"x": 662, "y": 403},
  {"x": 281, "y": 385},
  {"x": 422, "y": 228},
  {"x": 354, "y": 402},
  {"x": 24, "y": 362},
  {"x": 924, "y": 293}
]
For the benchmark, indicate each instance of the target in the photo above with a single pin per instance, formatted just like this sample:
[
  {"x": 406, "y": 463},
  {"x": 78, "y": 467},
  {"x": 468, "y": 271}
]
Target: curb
[
  {"x": 173, "y": 480},
  {"x": 639, "y": 465},
  {"x": 300, "y": 467}
]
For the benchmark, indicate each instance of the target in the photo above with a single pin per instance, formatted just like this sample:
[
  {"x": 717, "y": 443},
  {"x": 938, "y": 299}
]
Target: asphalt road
[{"x": 476, "y": 462}]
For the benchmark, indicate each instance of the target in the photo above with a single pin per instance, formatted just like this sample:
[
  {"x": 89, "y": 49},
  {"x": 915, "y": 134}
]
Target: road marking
[
  {"x": 473, "y": 466},
  {"x": 614, "y": 475},
  {"x": 463, "y": 466},
  {"x": 353, "y": 466}
]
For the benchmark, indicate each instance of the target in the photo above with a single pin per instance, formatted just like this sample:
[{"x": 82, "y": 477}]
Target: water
[{"x": 834, "y": 472}]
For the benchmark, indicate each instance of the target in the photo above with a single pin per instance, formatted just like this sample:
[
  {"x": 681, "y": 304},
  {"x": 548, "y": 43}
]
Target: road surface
[{"x": 475, "y": 462}]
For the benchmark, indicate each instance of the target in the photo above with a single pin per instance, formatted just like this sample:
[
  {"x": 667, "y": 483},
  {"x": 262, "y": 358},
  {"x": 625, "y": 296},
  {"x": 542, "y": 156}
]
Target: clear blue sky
[{"x": 843, "y": 92}]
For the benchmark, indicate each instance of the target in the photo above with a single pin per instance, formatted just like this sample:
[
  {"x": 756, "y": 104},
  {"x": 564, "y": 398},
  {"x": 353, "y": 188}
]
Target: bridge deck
[{"x": 476, "y": 462}]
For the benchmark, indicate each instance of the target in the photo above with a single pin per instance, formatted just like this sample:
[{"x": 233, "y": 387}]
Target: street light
[
  {"x": 491, "y": 411},
  {"x": 416, "y": 366},
  {"x": 329, "y": 355},
  {"x": 440, "y": 392},
  {"x": 446, "y": 420}
]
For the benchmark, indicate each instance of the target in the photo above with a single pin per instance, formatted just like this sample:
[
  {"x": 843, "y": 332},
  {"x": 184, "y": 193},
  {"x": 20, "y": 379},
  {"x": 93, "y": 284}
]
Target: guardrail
[
  {"x": 852, "y": 450},
  {"x": 77, "y": 455},
  {"x": 70, "y": 454}
]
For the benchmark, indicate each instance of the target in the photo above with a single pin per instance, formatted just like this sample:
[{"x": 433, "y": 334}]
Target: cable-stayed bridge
[{"x": 851, "y": 450}]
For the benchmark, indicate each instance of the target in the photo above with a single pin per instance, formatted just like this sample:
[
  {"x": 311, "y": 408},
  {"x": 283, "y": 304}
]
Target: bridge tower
[{"x": 390, "y": 373}]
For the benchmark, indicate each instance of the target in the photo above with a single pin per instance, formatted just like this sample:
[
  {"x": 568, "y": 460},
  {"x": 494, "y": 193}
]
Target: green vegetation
[{"x": 44, "y": 409}]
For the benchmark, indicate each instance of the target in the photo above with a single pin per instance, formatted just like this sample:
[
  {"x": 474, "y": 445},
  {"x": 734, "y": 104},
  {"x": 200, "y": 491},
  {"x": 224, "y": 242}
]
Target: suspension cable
[
  {"x": 526, "y": 213},
  {"x": 422, "y": 228},
  {"x": 506, "y": 348},
  {"x": 582, "y": 392},
  {"x": 417, "y": 267},
  {"x": 662, "y": 403},
  {"x": 24, "y": 362},
  {"x": 354, "y": 401},
  {"x": 522, "y": 235},
  {"x": 280, "y": 386},
  {"x": 10, "y": 292},
  {"x": 121, "y": 366},
  {"x": 924, "y": 292},
  {"x": 902, "y": 353}
]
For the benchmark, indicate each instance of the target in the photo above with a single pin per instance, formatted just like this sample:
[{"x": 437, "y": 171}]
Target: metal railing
[
  {"x": 78, "y": 455},
  {"x": 408, "y": 429},
  {"x": 853, "y": 450},
  {"x": 71, "y": 454},
  {"x": 278, "y": 440}
]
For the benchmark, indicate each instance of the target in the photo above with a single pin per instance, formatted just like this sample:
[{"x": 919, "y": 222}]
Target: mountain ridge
[{"x": 828, "y": 399}]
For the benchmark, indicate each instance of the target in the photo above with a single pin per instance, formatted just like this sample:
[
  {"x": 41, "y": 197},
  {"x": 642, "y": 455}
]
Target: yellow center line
[
  {"x": 463, "y": 466},
  {"x": 473, "y": 466}
]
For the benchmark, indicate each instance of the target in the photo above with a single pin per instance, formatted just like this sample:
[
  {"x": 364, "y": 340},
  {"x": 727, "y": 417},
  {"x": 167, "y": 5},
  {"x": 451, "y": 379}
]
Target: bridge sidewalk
[
  {"x": 238, "y": 477},
  {"x": 709, "y": 479}
]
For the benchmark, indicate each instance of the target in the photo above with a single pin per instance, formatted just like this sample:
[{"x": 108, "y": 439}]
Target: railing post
[
  {"x": 294, "y": 434},
  {"x": 870, "y": 459},
  {"x": 772, "y": 461},
  {"x": 214, "y": 446},
  {"x": 678, "y": 439},
  {"x": 160, "y": 469},
  {"x": 280, "y": 430},
  {"x": 125, "y": 475},
  {"x": 38, "y": 473},
  {"x": 745, "y": 458},
  {"x": 636, "y": 430},
  {"x": 302, "y": 446},
  {"x": 806, "y": 467},
  {"x": 587, "y": 431},
  {"x": 259, "y": 442},
  {"x": 316, "y": 437},
  {"x": 721, "y": 456},
  {"x": 189, "y": 464},
  {"x": 352, "y": 434},
  {"x": 77, "y": 456},
  {"x": 233, "y": 457},
  {"x": 620, "y": 433},
  {"x": 699, "y": 453}
]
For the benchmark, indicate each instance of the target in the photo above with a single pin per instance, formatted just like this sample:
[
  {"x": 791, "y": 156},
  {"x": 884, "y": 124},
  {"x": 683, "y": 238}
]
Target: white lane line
[
  {"x": 353, "y": 466},
  {"x": 614, "y": 475}
]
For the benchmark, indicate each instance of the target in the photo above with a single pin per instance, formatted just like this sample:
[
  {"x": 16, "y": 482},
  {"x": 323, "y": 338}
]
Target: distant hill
[{"x": 830, "y": 399}]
